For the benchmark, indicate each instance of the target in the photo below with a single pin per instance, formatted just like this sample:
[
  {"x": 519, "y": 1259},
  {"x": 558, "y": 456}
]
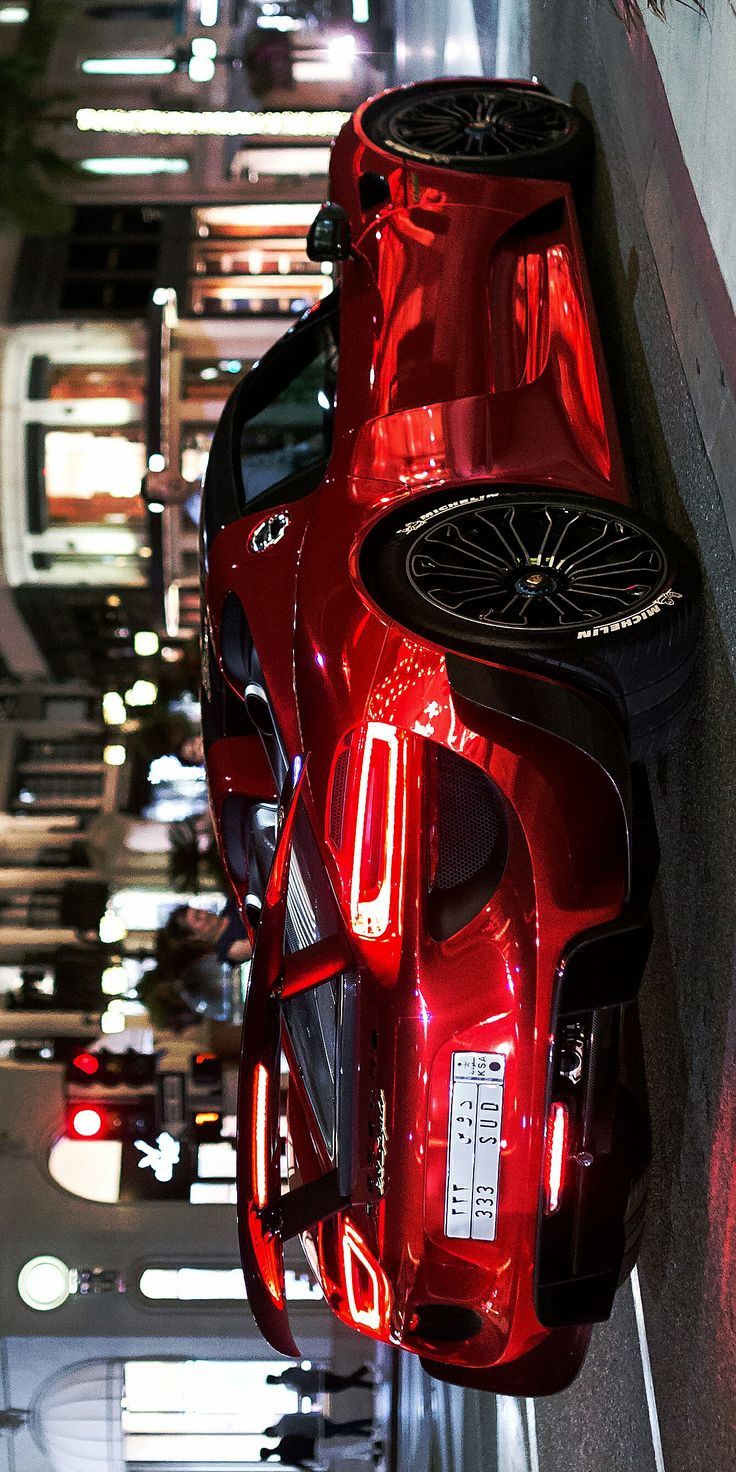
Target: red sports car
[{"x": 437, "y": 642}]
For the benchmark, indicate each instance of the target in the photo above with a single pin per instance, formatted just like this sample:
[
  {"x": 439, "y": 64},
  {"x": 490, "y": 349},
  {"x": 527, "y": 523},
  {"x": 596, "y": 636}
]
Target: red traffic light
[
  {"x": 86, "y": 1063},
  {"x": 86, "y": 1123}
]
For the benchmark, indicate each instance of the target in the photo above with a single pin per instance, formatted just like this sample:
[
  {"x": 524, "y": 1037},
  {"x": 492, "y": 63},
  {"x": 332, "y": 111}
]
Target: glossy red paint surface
[{"x": 468, "y": 353}]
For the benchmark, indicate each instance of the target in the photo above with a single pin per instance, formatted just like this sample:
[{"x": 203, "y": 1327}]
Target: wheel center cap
[{"x": 534, "y": 583}]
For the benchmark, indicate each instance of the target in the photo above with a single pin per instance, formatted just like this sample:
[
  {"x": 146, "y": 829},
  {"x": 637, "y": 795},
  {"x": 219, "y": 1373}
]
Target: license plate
[{"x": 474, "y": 1145}]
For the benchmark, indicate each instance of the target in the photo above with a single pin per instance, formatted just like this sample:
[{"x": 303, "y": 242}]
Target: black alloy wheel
[
  {"x": 483, "y": 127},
  {"x": 536, "y": 566},
  {"x": 583, "y": 588}
]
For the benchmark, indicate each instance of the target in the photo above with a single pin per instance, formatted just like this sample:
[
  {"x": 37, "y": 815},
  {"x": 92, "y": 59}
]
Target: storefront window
[
  {"x": 85, "y": 449},
  {"x": 268, "y": 296},
  {"x": 196, "y": 1285},
  {"x": 252, "y": 259},
  {"x": 93, "y": 478},
  {"x": 53, "y": 378},
  {"x": 201, "y": 1412}
]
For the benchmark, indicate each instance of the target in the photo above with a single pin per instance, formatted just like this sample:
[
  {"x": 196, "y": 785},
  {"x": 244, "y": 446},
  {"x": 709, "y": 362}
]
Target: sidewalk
[
  {"x": 441, "y": 1428},
  {"x": 696, "y": 58},
  {"x": 429, "y": 1426},
  {"x": 685, "y": 183}
]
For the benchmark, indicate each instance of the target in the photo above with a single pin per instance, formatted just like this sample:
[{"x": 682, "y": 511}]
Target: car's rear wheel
[
  {"x": 583, "y": 583},
  {"x": 489, "y": 127}
]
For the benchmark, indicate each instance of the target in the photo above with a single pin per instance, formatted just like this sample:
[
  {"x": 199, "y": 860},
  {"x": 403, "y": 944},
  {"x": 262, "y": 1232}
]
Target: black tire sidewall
[
  {"x": 383, "y": 569},
  {"x": 566, "y": 160}
]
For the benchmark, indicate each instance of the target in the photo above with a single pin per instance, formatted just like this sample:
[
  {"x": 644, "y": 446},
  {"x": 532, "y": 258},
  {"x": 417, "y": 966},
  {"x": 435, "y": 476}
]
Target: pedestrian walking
[
  {"x": 315, "y": 1380},
  {"x": 293, "y": 1450},
  {"x": 311, "y": 1423}
]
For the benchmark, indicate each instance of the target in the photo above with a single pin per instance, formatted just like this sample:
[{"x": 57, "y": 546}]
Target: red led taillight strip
[
  {"x": 366, "y": 1288},
  {"x": 377, "y": 859},
  {"x": 260, "y": 1135},
  {"x": 555, "y": 1155}
]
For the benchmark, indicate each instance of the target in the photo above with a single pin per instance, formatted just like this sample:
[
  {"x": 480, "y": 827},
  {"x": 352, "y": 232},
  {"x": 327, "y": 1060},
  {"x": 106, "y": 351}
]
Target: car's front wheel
[
  {"x": 582, "y": 583},
  {"x": 479, "y": 126}
]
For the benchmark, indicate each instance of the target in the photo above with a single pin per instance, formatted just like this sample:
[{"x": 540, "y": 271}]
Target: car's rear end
[{"x": 456, "y": 1101}]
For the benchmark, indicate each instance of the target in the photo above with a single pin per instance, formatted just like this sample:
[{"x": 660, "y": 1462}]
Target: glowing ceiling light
[
  {"x": 201, "y": 69},
  {"x": 114, "y": 755},
  {"x": 208, "y": 10},
  {"x": 204, "y": 46},
  {"x": 112, "y": 1022},
  {"x": 146, "y": 642},
  {"x": 111, "y": 928},
  {"x": 142, "y": 692},
  {"x": 113, "y": 708},
  {"x": 341, "y": 50},
  {"x": 279, "y": 23},
  {"x": 114, "y": 981},
  {"x": 13, "y": 15},
  {"x": 129, "y": 66},
  {"x": 221, "y": 124},
  {"x": 135, "y": 165}
]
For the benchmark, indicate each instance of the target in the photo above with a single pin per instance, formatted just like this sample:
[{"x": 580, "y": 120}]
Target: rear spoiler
[{"x": 266, "y": 1217}]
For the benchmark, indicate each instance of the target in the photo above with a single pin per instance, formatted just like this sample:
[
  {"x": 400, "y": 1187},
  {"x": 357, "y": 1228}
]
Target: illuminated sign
[
  {"x": 151, "y": 120},
  {"x": 161, "y": 1157}
]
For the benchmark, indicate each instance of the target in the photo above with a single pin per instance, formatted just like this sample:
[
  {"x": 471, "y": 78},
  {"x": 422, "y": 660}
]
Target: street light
[{"x": 43, "y": 1283}]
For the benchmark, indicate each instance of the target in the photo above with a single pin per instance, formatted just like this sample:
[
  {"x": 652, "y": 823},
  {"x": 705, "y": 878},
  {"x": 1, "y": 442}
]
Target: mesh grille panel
[
  {"x": 471, "y": 820},
  {"x": 337, "y": 802}
]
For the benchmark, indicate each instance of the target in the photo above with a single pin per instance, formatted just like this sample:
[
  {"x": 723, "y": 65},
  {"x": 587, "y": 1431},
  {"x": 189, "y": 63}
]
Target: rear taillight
[
  {"x": 555, "y": 1156},
  {"x": 260, "y": 1152},
  {"x": 366, "y": 1287},
  {"x": 269, "y": 1256},
  {"x": 368, "y": 833}
]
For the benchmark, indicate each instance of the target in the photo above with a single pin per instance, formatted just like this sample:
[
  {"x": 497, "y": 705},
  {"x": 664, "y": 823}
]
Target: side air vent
[
  {"x": 235, "y": 641},
  {"x": 248, "y": 832},
  {"x": 471, "y": 843},
  {"x": 235, "y": 831},
  {"x": 337, "y": 797}
]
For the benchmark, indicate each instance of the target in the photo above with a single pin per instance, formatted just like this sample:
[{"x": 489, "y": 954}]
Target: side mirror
[{"x": 329, "y": 235}]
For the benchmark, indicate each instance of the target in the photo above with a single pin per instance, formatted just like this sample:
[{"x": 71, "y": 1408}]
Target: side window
[{"x": 286, "y": 436}]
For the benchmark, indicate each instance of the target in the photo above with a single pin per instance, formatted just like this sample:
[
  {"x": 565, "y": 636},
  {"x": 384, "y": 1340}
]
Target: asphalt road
[{"x": 659, "y": 1387}]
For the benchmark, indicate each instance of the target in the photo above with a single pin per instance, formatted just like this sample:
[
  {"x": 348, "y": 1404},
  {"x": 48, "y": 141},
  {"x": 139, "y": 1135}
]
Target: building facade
[{"x": 182, "y": 260}]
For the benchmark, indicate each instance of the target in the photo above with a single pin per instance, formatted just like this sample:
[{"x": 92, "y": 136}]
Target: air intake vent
[
  {"x": 337, "y": 801},
  {"x": 445, "y": 1323},
  {"x": 472, "y": 843}
]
